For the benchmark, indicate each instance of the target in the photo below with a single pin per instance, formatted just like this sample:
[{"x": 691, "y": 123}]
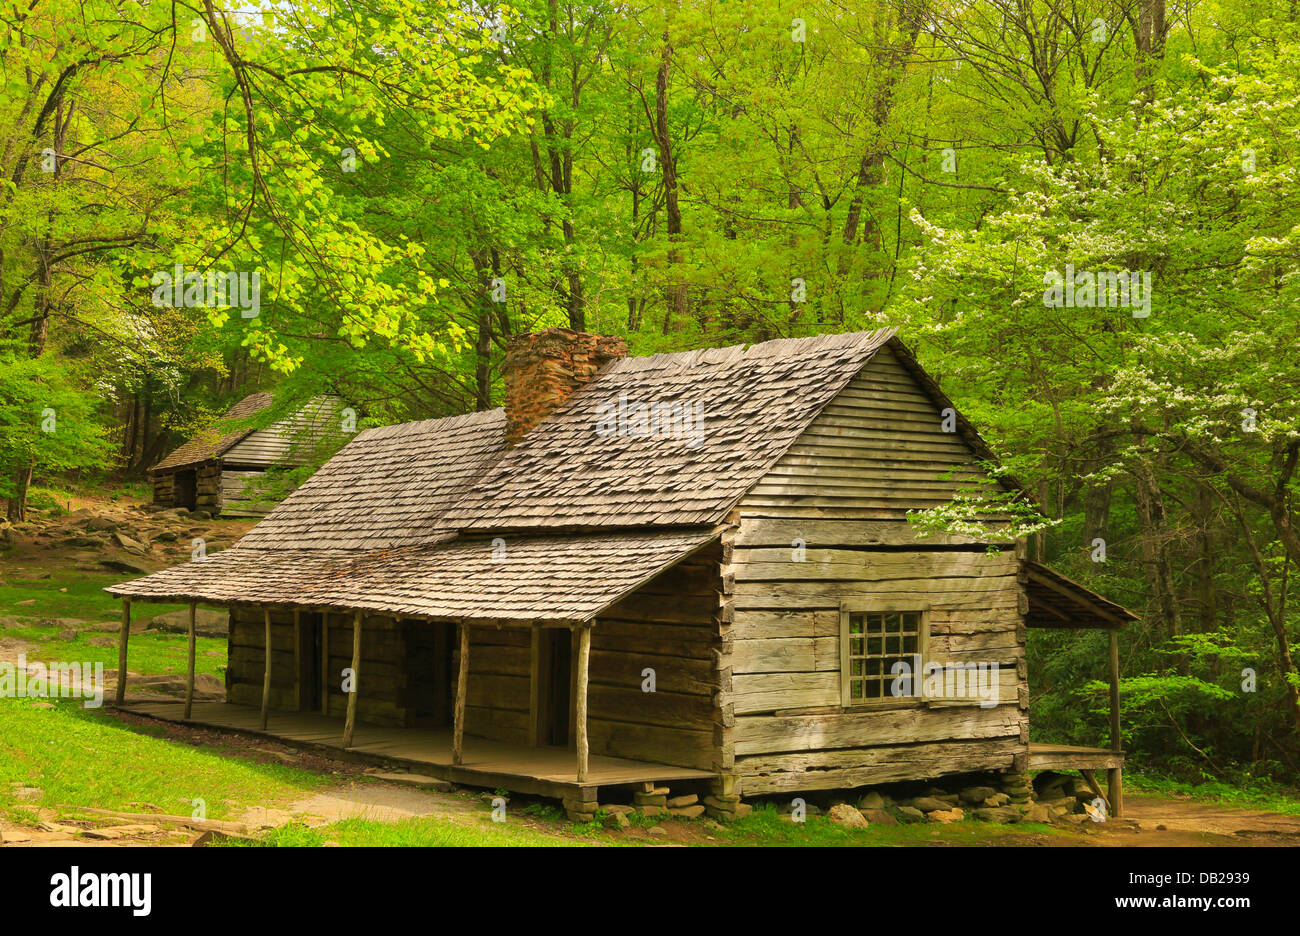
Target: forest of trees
[{"x": 413, "y": 181}]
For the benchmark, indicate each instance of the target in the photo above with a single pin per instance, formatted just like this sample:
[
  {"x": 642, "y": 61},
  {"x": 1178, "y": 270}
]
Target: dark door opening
[
  {"x": 429, "y": 676},
  {"x": 555, "y": 669},
  {"x": 311, "y": 650},
  {"x": 184, "y": 489}
]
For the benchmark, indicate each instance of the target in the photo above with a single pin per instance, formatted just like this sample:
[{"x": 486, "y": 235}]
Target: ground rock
[
  {"x": 928, "y": 804},
  {"x": 207, "y": 623},
  {"x": 946, "y": 815},
  {"x": 845, "y": 815},
  {"x": 122, "y": 565},
  {"x": 1036, "y": 812},
  {"x": 871, "y": 800},
  {"x": 879, "y": 817},
  {"x": 977, "y": 794},
  {"x": 1002, "y": 814}
]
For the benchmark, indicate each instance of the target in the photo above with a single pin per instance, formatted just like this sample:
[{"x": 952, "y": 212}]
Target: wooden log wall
[
  {"x": 207, "y": 487},
  {"x": 842, "y": 493},
  {"x": 670, "y": 626},
  {"x": 234, "y": 490},
  {"x": 162, "y": 490},
  {"x": 497, "y": 702},
  {"x": 381, "y": 700},
  {"x": 876, "y": 451}
]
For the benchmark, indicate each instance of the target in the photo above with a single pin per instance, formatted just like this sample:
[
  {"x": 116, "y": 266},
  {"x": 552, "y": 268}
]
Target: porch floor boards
[
  {"x": 485, "y": 763},
  {"x": 1068, "y": 757}
]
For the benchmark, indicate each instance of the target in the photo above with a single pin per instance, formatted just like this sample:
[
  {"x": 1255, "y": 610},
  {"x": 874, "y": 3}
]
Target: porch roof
[
  {"x": 558, "y": 579},
  {"x": 1056, "y": 601}
]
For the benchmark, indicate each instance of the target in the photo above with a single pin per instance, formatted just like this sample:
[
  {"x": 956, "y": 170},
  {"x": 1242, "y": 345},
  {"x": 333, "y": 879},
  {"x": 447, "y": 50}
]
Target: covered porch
[
  {"x": 1059, "y": 603},
  {"x": 539, "y": 771},
  {"x": 327, "y": 650}
]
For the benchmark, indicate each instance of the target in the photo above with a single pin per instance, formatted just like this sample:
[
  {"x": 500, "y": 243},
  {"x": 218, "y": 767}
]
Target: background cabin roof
[{"x": 218, "y": 438}]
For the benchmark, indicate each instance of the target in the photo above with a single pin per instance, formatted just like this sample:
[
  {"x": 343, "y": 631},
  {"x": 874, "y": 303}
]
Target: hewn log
[
  {"x": 121, "y": 650},
  {"x": 297, "y": 657},
  {"x": 266, "y": 673},
  {"x": 1116, "y": 742},
  {"x": 584, "y": 659},
  {"x": 325, "y": 663},
  {"x": 1115, "y": 775},
  {"x": 1115, "y": 786},
  {"x": 189, "y": 678},
  {"x": 462, "y": 690},
  {"x": 351, "y": 721}
]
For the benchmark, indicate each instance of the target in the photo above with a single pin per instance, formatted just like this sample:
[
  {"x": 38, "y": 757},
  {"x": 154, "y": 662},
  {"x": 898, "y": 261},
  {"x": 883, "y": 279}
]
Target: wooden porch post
[
  {"x": 121, "y": 650},
  {"x": 266, "y": 671},
  {"x": 189, "y": 678},
  {"x": 297, "y": 659},
  {"x": 462, "y": 685},
  {"x": 350, "y": 723},
  {"x": 325, "y": 663},
  {"x": 1115, "y": 775},
  {"x": 584, "y": 657}
]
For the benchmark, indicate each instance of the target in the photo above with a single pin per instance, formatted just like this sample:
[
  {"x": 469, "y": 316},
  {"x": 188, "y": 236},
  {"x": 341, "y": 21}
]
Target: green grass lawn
[
  {"x": 422, "y": 832},
  {"x": 86, "y": 757},
  {"x": 767, "y": 826},
  {"x": 84, "y": 597},
  {"x": 1261, "y": 794},
  {"x": 152, "y": 654}
]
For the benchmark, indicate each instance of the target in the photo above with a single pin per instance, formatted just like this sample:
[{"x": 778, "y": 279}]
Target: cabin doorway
[
  {"x": 553, "y": 711},
  {"x": 429, "y": 689},
  {"x": 184, "y": 489},
  {"x": 311, "y": 662}
]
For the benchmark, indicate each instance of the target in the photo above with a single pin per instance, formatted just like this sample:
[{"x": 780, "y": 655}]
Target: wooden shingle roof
[
  {"x": 388, "y": 487},
  {"x": 396, "y": 522},
  {"x": 537, "y": 578},
  {"x": 567, "y": 474},
  {"x": 215, "y": 440}
]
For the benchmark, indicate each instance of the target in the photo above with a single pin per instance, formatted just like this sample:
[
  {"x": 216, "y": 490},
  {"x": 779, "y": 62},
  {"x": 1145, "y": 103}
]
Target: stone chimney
[{"x": 543, "y": 369}]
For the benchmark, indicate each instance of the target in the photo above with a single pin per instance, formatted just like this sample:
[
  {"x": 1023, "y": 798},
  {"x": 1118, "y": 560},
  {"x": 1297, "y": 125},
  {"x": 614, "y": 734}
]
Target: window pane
[{"x": 891, "y": 623}]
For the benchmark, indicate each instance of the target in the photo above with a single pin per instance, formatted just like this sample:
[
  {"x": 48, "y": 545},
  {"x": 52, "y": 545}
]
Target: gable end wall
[{"x": 843, "y": 491}]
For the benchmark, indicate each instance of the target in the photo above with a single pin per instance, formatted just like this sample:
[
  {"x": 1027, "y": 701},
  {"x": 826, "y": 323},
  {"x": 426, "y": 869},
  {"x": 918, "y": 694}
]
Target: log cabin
[
  {"x": 213, "y": 470},
  {"x": 689, "y": 568}
]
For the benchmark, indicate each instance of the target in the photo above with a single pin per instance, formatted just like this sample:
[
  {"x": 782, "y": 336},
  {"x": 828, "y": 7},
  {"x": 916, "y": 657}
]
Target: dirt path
[{"x": 1157, "y": 820}]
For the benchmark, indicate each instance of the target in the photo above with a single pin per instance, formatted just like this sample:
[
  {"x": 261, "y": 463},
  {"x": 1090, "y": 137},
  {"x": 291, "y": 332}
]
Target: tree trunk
[{"x": 675, "y": 291}]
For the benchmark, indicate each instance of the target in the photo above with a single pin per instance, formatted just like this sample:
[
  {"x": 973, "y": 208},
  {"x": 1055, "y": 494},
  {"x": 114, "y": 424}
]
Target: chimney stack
[{"x": 543, "y": 369}]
